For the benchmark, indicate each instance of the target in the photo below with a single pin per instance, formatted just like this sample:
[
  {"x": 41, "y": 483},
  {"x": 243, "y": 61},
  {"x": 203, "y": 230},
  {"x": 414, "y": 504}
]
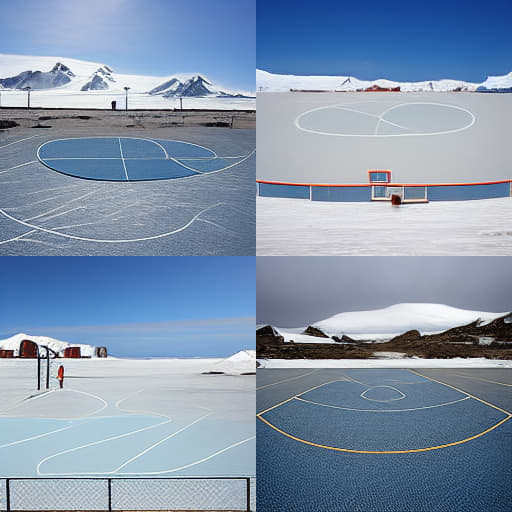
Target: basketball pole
[
  {"x": 38, "y": 369},
  {"x": 126, "y": 89}
]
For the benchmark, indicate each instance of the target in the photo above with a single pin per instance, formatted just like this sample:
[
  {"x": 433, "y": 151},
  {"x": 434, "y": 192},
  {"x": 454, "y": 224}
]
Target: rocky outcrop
[
  {"x": 314, "y": 331},
  {"x": 492, "y": 340},
  {"x": 412, "y": 335}
]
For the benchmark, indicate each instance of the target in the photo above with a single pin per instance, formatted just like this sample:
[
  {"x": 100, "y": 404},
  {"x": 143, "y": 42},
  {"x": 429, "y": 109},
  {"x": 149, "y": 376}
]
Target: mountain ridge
[{"x": 270, "y": 82}]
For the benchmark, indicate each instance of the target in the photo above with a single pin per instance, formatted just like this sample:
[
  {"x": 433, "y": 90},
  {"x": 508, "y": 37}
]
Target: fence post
[
  {"x": 248, "y": 483},
  {"x": 8, "y": 495},
  {"x": 109, "y": 494}
]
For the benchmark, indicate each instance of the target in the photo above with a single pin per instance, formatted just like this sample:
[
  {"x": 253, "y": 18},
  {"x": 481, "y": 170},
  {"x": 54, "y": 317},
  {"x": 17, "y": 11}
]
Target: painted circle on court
[{"x": 400, "y": 120}]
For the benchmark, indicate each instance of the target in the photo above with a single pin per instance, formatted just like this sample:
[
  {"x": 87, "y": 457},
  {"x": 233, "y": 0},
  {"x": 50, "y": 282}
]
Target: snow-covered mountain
[
  {"x": 195, "y": 86},
  {"x": 57, "y": 346},
  {"x": 59, "y": 81},
  {"x": 269, "y": 82},
  {"x": 400, "y": 318}
]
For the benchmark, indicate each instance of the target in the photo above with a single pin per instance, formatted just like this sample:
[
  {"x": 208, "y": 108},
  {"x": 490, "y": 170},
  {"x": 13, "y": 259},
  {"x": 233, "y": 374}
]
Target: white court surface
[
  {"x": 301, "y": 227},
  {"x": 121, "y": 417},
  {"x": 335, "y": 138}
]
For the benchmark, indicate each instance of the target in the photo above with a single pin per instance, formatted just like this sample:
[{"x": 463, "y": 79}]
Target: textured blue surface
[
  {"x": 468, "y": 192},
  {"x": 471, "y": 477},
  {"x": 128, "y": 159},
  {"x": 290, "y": 191},
  {"x": 92, "y": 169},
  {"x": 296, "y": 477},
  {"x": 357, "y": 194},
  {"x": 354, "y": 194}
]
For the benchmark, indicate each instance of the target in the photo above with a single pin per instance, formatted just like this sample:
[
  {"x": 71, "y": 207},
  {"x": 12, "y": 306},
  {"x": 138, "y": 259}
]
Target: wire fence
[{"x": 128, "y": 494}]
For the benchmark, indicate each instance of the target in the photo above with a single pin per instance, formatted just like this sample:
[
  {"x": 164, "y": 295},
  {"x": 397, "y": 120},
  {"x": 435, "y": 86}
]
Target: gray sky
[{"x": 296, "y": 291}]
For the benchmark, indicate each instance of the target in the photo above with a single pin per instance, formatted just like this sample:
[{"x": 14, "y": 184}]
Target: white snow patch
[
  {"x": 321, "y": 228},
  {"x": 407, "y": 362},
  {"x": 243, "y": 362},
  {"x": 395, "y": 320}
]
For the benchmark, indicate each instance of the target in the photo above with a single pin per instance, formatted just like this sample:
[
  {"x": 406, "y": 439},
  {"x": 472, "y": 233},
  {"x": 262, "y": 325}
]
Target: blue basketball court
[
  {"x": 386, "y": 440},
  {"x": 132, "y": 158}
]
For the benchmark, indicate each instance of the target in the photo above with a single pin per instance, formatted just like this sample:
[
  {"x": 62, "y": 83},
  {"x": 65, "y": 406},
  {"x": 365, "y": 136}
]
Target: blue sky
[
  {"x": 404, "y": 41},
  {"x": 136, "y": 306},
  {"x": 149, "y": 37}
]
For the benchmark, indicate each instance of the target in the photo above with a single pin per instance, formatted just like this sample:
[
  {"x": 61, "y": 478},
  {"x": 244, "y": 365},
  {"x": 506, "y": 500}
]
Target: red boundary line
[{"x": 383, "y": 184}]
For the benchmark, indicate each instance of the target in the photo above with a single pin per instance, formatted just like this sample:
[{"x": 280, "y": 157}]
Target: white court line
[
  {"x": 19, "y": 237},
  {"x": 16, "y": 141},
  {"x": 18, "y": 166},
  {"x": 286, "y": 380},
  {"x": 122, "y": 159},
  {"x": 133, "y": 138},
  {"x": 383, "y": 410},
  {"x": 218, "y": 170},
  {"x": 372, "y": 115},
  {"x": 35, "y": 437},
  {"x": 193, "y": 463},
  {"x": 60, "y": 207},
  {"x": 318, "y": 132},
  {"x": 98, "y": 240},
  {"x": 161, "y": 441},
  {"x": 95, "y": 443},
  {"x": 385, "y": 401}
]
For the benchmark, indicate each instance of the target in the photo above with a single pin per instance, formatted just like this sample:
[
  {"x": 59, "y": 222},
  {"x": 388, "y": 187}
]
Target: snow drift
[
  {"x": 397, "y": 319},
  {"x": 241, "y": 363}
]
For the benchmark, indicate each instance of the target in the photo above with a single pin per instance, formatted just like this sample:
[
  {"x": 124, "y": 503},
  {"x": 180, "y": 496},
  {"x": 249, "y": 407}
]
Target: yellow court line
[
  {"x": 415, "y": 450},
  {"x": 464, "y": 392}
]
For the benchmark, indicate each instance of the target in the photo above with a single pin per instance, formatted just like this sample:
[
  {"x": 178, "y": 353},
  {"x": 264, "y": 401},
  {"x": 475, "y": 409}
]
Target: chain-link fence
[{"x": 128, "y": 494}]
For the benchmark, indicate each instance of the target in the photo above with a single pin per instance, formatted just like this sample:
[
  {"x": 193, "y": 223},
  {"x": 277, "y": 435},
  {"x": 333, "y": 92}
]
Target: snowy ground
[
  {"x": 102, "y": 99},
  {"x": 296, "y": 227},
  {"x": 394, "y": 361},
  {"x": 120, "y": 417}
]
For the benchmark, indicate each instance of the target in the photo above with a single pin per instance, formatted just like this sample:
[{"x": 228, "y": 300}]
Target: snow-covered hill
[
  {"x": 63, "y": 82},
  {"x": 57, "y": 346},
  {"x": 497, "y": 84},
  {"x": 399, "y": 318},
  {"x": 241, "y": 363},
  {"x": 269, "y": 82}
]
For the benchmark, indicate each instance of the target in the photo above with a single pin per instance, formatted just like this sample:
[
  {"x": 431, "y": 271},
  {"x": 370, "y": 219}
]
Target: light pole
[
  {"x": 181, "y": 103},
  {"x": 126, "y": 89},
  {"x": 28, "y": 89}
]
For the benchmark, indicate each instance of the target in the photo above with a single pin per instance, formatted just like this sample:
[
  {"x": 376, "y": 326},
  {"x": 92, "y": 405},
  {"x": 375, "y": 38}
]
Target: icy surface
[
  {"x": 399, "y": 318},
  {"x": 269, "y": 82},
  {"x": 154, "y": 417},
  {"x": 300, "y": 227}
]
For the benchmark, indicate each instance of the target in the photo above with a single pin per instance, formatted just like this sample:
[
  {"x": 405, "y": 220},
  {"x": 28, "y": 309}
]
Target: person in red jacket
[{"x": 60, "y": 376}]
